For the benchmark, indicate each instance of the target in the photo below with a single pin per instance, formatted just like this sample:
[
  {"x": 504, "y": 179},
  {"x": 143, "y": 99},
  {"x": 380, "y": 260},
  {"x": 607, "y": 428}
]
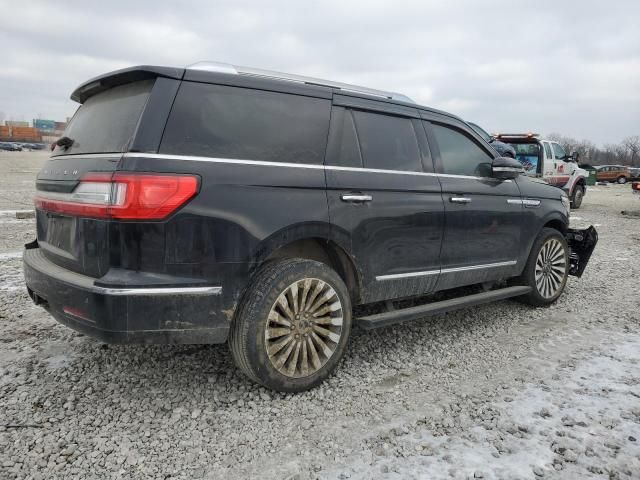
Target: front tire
[
  {"x": 547, "y": 268},
  {"x": 576, "y": 198},
  {"x": 292, "y": 326}
]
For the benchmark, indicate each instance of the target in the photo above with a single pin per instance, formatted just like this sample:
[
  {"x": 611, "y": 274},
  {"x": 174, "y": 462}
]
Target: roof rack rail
[{"x": 257, "y": 72}]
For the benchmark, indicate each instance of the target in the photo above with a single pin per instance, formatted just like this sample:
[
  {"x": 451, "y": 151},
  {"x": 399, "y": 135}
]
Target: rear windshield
[{"x": 106, "y": 122}]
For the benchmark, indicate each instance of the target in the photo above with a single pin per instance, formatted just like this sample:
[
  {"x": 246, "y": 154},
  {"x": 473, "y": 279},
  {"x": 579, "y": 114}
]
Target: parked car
[
  {"x": 634, "y": 173},
  {"x": 548, "y": 160},
  {"x": 502, "y": 148},
  {"x": 10, "y": 147},
  {"x": 613, "y": 173},
  {"x": 223, "y": 204}
]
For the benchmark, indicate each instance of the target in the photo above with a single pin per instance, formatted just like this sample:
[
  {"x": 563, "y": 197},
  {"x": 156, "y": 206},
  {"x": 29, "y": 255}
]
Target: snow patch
[
  {"x": 586, "y": 416},
  {"x": 10, "y": 255},
  {"x": 4, "y": 214}
]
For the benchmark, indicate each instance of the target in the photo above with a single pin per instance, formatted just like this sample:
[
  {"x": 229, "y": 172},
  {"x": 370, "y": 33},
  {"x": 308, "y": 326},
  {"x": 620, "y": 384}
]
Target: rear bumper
[
  {"x": 582, "y": 243},
  {"x": 115, "y": 314}
]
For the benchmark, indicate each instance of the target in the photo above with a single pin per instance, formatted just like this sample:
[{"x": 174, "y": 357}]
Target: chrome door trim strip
[
  {"x": 396, "y": 276},
  {"x": 514, "y": 201},
  {"x": 301, "y": 165},
  {"x": 530, "y": 203},
  {"x": 510, "y": 263}
]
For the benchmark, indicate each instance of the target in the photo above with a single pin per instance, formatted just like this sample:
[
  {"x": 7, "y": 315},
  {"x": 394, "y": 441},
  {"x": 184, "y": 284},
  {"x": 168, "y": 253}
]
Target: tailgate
[
  {"x": 93, "y": 143},
  {"x": 76, "y": 243}
]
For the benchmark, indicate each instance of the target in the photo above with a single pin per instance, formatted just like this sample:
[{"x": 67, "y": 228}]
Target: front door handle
[
  {"x": 355, "y": 197},
  {"x": 460, "y": 200}
]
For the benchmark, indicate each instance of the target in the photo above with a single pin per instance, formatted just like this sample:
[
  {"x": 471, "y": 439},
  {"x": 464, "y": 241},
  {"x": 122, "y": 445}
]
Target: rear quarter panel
[{"x": 242, "y": 213}]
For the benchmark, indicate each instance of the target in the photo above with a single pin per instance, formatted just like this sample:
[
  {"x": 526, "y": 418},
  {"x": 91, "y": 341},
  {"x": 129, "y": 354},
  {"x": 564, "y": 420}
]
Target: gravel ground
[{"x": 498, "y": 391}]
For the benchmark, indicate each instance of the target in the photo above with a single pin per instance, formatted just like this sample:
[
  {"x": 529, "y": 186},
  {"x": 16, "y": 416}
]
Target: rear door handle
[
  {"x": 459, "y": 199},
  {"x": 355, "y": 197}
]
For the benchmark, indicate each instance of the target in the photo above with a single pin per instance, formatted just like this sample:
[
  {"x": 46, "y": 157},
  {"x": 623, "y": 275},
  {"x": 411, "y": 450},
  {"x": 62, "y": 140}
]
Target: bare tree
[{"x": 632, "y": 147}]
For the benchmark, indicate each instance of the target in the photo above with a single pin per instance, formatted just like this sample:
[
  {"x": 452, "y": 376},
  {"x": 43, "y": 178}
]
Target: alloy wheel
[
  {"x": 551, "y": 268},
  {"x": 304, "y": 328}
]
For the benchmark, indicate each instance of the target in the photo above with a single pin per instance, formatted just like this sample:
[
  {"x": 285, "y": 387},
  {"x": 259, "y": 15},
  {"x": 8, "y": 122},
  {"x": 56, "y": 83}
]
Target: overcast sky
[{"x": 571, "y": 67}]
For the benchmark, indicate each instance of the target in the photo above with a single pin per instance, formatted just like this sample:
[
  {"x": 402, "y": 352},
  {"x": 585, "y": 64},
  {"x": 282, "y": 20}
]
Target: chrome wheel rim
[
  {"x": 304, "y": 328},
  {"x": 551, "y": 268}
]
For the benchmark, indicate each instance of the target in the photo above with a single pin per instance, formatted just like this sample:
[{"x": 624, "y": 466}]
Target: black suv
[{"x": 219, "y": 203}]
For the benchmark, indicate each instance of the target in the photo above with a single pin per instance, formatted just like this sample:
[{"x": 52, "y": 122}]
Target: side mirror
[
  {"x": 506, "y": 168},
  {"x": 574, "y": 156}
]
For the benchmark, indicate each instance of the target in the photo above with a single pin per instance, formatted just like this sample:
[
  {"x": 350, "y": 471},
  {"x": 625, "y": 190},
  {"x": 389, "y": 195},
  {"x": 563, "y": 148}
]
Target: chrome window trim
[
  {"x": 115, "y": 156},
  {"x": 264, "y": 163},
  {"x": 396, "y": 276}
]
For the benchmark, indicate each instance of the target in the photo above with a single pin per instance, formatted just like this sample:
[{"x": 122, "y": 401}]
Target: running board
[{"x": 369, "y": 322}]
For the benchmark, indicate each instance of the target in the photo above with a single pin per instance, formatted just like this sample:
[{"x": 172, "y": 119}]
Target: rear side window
[
  {"x": 387, "y": 142},
  {"x": 106, "y": 122},
  {"x": 461, "y": 155},
  {"x": 240, "y": 123},
  {"x": 344, "y": 150}
]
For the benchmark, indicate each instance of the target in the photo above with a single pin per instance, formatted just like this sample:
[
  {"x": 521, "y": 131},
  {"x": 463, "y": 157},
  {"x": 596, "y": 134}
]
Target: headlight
[{"x": 566, "y": 202}]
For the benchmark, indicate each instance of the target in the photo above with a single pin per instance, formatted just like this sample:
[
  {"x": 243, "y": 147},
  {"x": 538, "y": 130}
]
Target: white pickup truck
[{"x": 548, "y": 160}]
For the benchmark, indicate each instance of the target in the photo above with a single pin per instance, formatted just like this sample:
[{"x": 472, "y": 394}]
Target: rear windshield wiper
[{"x": 64, "y": 142}]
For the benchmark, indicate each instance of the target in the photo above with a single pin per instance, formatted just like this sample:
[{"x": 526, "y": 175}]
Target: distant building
[{"x": 16, "y": 123}]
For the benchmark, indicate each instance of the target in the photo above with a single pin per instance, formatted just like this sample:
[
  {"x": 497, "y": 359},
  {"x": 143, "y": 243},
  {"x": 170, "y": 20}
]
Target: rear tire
[
  {"x": 547, "y": 269},
  {"x": 576, "y": 198},
  {"x": 622, "y": 180},
  {"x": 292, "y": 326}
]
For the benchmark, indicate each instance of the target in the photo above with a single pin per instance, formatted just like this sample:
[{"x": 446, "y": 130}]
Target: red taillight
[
  {"x": 636, "y": 186},
  {"x": 122, "y": 196}
]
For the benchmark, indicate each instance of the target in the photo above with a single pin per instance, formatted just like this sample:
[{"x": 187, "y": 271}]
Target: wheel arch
[
  {"x": 324, "y": 251},
  {"x": 556, "y": 224}
]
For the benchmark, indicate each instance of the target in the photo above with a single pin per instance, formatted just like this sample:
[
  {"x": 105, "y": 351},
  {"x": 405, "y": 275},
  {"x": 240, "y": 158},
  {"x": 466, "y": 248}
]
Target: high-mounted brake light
[{"x": 122, "y": 196}]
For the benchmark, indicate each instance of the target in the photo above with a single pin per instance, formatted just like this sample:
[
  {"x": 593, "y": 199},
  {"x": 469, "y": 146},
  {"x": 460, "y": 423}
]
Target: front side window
[
  {"x": 387, "y": 142},
  {"x": 461, "y": 155},
  {"x": 241, "y": 123},
  {"x": 558, "y": 151}
]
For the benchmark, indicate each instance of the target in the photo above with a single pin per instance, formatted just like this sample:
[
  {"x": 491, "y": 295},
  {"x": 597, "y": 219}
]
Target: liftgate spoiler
[{"x": 581, "y": 242}]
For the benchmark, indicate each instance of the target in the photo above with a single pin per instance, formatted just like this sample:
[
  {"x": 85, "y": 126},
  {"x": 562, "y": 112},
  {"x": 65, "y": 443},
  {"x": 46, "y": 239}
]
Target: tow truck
[{"x": 547, "y": 159}]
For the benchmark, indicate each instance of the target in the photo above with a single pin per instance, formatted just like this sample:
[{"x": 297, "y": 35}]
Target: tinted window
[
  {"x": 106, "y": 122},
  {"x": 343, "y": 139},
  {"x": 230, "y": 122},
  {"x": 461, "y": 155},
  {"x": 547, "y": 150},
  {"x": 558, "y": 150},
  {"x": 480, "y": 131},
  {"x": 387, "y": 142}
]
